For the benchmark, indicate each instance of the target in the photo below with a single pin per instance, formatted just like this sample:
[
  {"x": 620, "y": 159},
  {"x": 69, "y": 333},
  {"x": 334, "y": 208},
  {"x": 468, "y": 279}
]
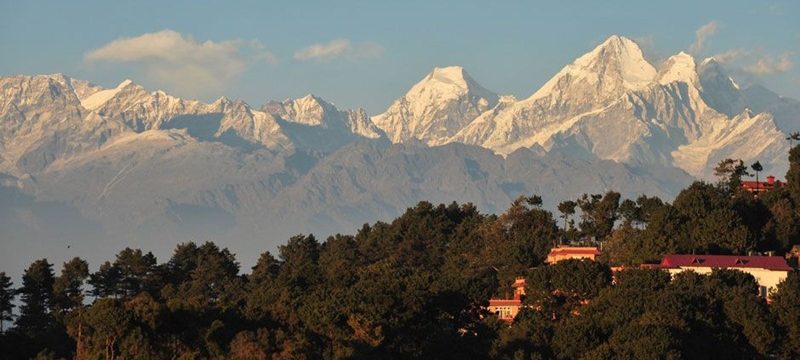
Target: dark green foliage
[
  {"x": 106, "y": 281},
  {"x": 68, "y": 287},
  {"x": 793, "y": 175},
  {"x": 7, "y": 295},
  {"x": 647, "y": 316},
  {"x": 416, "y": 287},
  {"x": 561, "y": 287},
  {"x": 730, "y": 172},
  {"x": 786, "y": 310},
  {"x": 36, "y": 294},
  {"x": 599, "y": 213}
]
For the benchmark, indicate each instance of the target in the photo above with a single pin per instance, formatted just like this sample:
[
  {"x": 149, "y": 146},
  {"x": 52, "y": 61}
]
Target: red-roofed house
[
  {"x": 767, "y": 270},
  {"x": 507, "y": 309},
  {"x": 761, "y": 186},
  {"x": 561, "y": 253}
]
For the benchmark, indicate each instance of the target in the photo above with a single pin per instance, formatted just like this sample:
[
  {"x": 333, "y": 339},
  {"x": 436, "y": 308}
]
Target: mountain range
[{"x": 105, "y": 168}]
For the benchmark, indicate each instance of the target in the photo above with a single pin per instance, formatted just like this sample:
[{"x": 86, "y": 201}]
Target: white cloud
[
  {"x": 731, "y": 55},
  {"x": 339, "y": 48},
  {"x": 701, "y": 36},
  {"x": 182, "y": 63},
  {"x": 769, "y": 65}
]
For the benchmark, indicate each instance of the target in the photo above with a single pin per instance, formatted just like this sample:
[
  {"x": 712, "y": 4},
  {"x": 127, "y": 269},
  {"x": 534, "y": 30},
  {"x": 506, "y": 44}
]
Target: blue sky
[{"x": 368, "y": 53}]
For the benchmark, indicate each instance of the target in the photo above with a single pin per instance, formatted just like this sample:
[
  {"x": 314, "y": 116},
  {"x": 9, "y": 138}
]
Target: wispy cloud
[
  {"x": 770, "y": 65},
  {"x": 731, "y": 55},
  {"x": 340, "y": 48},
  {"x": 701, "y": 36},
  {"x": 182, "y": 63}
]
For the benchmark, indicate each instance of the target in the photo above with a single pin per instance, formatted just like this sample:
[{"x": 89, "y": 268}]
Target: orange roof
[
  {"x": 504, "y": 302},
  {"x": 589, "y": 250}
]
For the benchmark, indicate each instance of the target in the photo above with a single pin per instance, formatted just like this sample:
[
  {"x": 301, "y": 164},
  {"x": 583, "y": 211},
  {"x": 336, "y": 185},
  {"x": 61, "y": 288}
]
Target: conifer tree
[
  {"x": 36, "y": 293},
  {"x": 793, "y": 175},
  {"x": 7, "y": 295}
]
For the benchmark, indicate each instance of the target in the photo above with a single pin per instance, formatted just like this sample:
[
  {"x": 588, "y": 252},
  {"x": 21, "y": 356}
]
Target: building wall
[
  {"x": 767, "y": 279},
  {"x": 552, "y": 259},
  {"x": 504, "y": 312}
]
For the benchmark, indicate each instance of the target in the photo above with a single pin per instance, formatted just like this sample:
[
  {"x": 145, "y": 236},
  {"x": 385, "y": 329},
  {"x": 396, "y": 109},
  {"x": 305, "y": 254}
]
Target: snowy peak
[
  {"x": 679, "y": 68},
  {"x": 99, "y": 98},
  {"x": 313, "y": 111},
  {"x": 436, "y": 107},
  {"x": 613, "y": 67},
  {"x": 308, "y": 110},
  {"x": 450, "y": 82},
  {"x": 450, "y": 74},
  {"x": 622, "y": 57}
]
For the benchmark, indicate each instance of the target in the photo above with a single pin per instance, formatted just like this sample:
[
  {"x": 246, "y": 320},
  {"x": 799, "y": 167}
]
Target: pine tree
[
  {"x": 7, "y": 295},
  {"x": 106, "y": 281},
  {"x": 730, "y": 174},
  {"x": 567, "y": 209},
  {"x": 36, "y": 293},
  {"x": 757, "y": 168},
  {"x": 68, "y": 287},
  {"x": 793, "y": 175}
]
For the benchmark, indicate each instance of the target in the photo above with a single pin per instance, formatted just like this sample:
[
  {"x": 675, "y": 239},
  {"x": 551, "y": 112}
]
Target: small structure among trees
[
  {"x": 768, "y": 271},
  {"x": 507, "y": 309},
  {"x": 758, "y": 187},
  {"x": 562, "y": 253}
]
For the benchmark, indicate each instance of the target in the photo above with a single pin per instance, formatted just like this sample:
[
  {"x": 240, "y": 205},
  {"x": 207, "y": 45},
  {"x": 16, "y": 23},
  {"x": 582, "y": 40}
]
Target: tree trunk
[
  {"x": 79, "y": 345},
  {"x": 113, "y": 341},
  {"x": 757, "y": 183}
]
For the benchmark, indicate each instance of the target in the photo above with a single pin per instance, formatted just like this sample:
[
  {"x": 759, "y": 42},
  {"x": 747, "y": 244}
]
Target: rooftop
[
  {"x": 725, "y": 261},
  {"x": 574, "y": 250}
]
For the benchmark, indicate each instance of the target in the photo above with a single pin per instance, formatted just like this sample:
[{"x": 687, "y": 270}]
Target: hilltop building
[
  {"x": 561, "y": 253},
  {"x": 507, "y": 309},
  {"x": 762, "y": 186},
  {"x": 767, "y": 270}
]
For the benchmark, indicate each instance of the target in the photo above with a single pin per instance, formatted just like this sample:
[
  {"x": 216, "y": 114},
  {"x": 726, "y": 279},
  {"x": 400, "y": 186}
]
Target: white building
[{"x": 767, "y": 270}]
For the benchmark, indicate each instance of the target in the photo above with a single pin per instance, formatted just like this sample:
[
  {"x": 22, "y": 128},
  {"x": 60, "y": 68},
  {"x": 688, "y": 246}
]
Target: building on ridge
[
  {"x": 762, "y": 186},
  {"x": 768, "y": 271},
  {"x": 507, "y": 309},
  {"x": 561, "y": 253}
]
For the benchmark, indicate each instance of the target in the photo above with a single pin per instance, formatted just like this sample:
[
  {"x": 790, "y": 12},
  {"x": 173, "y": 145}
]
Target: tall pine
[
  {"x": 36, "y": 293},
  {"x": 793, "y": 175},
  {"x": 7, "y": 295}
]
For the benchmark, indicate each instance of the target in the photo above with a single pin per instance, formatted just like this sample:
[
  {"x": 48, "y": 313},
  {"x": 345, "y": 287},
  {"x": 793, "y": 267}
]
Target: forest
[{"x": 417, "y": 287}]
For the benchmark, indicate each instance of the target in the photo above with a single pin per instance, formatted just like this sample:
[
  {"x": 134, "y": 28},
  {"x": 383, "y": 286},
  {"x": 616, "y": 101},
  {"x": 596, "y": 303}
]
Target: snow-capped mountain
[
  {"x": 129, "y": 163},
  {"x": 435, "y": 108},
  {"x": 311, "y": 110},
  {"x": 592, "y": 82},
  {"x": 613, "y": 104},
  {"x": 51, "y": 117}
]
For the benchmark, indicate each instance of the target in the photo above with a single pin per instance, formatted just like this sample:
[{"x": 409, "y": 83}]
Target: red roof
[
  {"x": 504, "y": 302},
  {"x": 726, "y": 261},
  {"x": 762, "y": 185}
]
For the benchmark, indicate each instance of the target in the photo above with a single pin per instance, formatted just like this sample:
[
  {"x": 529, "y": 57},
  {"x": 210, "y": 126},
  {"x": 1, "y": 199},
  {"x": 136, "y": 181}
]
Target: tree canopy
[{"x": 417, "y": 287}]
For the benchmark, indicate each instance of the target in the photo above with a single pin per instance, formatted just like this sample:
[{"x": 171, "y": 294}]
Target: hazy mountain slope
[
  {"x": 786, "y": 111},
  {"x": 158, "y": 187}
]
